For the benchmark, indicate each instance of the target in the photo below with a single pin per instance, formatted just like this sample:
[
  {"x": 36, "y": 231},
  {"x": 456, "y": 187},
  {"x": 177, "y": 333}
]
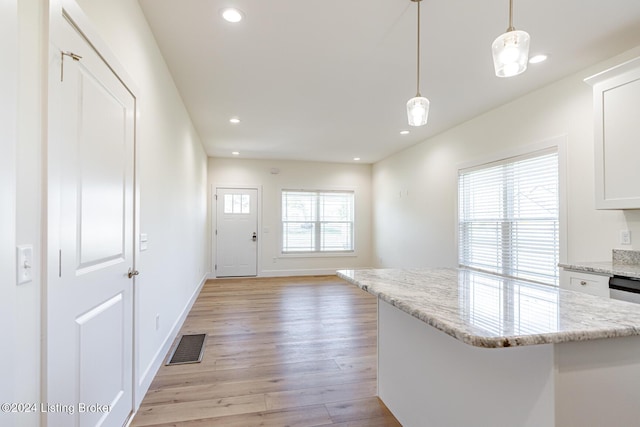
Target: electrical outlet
[{"x": 625, "y": 237}]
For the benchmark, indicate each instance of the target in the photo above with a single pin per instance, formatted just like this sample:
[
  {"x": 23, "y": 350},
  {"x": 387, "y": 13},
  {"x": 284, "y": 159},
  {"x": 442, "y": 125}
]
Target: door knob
[
  {"x": 132, "y": 273},
  {"x": 254, "y": 237}
]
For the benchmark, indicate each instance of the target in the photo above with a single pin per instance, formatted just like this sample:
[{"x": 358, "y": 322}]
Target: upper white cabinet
[{"x": 616, "y": 100}]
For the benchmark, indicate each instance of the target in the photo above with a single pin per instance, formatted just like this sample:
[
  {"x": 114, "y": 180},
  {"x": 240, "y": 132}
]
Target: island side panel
[
  {"x": 598, "y": 382},
  {"x": 427, "y": 378}
]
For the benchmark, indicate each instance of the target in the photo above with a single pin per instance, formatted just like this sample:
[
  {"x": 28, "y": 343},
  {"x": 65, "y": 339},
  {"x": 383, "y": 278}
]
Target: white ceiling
[{"x": 328, "y": 80}]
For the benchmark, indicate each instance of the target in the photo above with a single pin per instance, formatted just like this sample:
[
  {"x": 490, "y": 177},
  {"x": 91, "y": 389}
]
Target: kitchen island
[{"x": 459, "y": 348}]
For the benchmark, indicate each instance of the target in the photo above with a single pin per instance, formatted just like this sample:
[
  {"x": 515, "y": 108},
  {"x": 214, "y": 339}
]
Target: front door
[
  {"x": 236, "y": 232},
  {"x": 90, "y": 311}
]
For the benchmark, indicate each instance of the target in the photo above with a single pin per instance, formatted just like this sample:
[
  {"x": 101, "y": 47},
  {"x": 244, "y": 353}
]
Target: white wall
[
  {"x": 20, "y": 218},
  {"x": 297, "y": 175},
  {"x": 8, "y": 127},
  {"x": 21, "y": 193},
  {"x": 415, "y": 191},
  {"x": 31, "y": 96},
  {"x": 172, "y": 180}
]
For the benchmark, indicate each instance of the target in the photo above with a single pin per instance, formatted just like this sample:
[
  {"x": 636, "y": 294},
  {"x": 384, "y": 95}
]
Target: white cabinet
[
  {"x": 616, "y": 98},
  {"x": 590, "y": 283}
]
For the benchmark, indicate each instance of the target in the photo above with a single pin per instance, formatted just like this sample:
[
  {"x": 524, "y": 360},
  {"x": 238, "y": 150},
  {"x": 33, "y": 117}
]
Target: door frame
[
  {"x": 214, "y": 219},
  {"x": 58, "y": 9}
]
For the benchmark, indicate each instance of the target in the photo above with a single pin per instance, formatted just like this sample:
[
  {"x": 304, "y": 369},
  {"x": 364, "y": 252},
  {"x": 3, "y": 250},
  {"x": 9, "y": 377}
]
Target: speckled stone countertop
[
  {"x": 605, "y": 267},
  {"x": 623, "y": 263},
  {"x": 489, "y": 311}
]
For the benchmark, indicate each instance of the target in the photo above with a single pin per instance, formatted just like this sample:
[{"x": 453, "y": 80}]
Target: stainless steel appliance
[{"x": 624, "y": 288}]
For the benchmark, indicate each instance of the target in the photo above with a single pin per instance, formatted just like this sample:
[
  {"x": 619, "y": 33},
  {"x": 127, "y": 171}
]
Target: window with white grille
[
  {"x": 317, "y": 221},
  {"x": 508, "y": 217},
  {"x": 237, "y": 204}
]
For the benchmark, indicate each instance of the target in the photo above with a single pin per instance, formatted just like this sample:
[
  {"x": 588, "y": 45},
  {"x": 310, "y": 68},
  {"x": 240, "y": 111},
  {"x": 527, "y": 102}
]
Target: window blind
[
  {"x": 508, "y": 217},
  {"x": 317, "y": 221}
]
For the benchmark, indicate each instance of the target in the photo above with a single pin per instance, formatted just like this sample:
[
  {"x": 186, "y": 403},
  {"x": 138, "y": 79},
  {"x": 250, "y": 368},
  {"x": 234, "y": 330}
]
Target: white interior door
[
  {"x": 90, "y": 327},
  {"x": 236, "y": 232}
]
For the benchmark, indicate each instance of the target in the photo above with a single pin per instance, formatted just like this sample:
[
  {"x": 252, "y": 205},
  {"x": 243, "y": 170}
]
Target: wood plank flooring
[{"x": 296, "y": 351}]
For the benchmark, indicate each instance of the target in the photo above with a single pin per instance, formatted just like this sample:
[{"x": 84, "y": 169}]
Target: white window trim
[
  {"x": 335, "y": 254},
  {"x": 557, "y": 142}
]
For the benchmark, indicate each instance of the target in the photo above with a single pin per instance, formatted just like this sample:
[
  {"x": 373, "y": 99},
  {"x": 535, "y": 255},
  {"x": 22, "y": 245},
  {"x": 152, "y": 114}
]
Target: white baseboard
[
  {"x": 147, "y": 377},
  {"x": 292, "y": 273},
  {"x": 300, "y": 272}
]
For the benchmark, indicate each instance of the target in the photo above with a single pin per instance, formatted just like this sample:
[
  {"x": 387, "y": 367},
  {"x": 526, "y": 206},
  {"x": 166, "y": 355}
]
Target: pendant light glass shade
[
  {"x": 511, "y": 50},
  {"x": 418, "y": 111},
  {"x": 511, "y": 53}
]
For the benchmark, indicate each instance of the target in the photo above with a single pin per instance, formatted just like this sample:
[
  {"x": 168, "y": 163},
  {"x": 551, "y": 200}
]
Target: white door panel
[
  {"x": 237, "y": 224},
  {"x": 90, "y": 303},
  {"x": 101, "y": 357},
  {"x": 102, "y": 177}
]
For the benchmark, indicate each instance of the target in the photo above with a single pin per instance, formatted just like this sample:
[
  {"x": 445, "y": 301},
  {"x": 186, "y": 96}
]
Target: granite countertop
[
  {"x": 605, "y": 267},
  {"x": 623, "y": 263},
  {"x": 490, "y": 311}
]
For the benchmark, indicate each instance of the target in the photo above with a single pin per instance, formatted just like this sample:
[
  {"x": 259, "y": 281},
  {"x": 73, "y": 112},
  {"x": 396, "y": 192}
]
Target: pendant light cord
[
  {"x": 418, "y": 44},
  {"x": 510, "y": 17}
]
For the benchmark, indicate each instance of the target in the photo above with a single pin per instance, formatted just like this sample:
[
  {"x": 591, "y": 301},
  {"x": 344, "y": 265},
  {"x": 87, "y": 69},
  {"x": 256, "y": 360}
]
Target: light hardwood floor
[{"x": 296, "y": 352}]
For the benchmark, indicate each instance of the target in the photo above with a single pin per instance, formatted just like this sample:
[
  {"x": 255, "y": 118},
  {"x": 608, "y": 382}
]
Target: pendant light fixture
[
  {"x": 418, "y": 106},
  {"x": 511, "y": 50}
]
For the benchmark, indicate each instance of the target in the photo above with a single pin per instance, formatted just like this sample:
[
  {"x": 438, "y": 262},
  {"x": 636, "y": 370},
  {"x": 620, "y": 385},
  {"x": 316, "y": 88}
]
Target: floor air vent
[{"x": 189, "y": 350}]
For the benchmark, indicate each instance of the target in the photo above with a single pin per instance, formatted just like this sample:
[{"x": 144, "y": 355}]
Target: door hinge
[
  {"x": 60, "y": 263},
  {"x": 72, "y": 56},
  {"x": 216, "y": 267},
  {"x": 216, "y": 232},
  {"x": 216, "y": 196}
]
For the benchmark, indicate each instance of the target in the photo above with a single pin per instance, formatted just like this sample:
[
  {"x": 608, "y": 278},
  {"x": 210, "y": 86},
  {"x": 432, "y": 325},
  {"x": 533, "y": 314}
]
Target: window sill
[{"x": 318, "y": 254}]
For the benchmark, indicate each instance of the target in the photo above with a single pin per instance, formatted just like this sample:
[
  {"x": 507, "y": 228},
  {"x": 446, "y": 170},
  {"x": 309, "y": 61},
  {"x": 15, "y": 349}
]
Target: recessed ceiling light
[
  {"x": 232, "y": 15},
  {"x": 234, "y": 120},
  {"x": 538, "y": 58},
  {"x": 356, "y": 158},
  {"x": 235, "y": 153},
  {"x": 404, "y": 132}
]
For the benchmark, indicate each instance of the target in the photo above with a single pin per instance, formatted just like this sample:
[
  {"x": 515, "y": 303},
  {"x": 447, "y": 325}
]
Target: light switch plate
[
  {"x": 143, "y": 242},
  {"x": 24, "y": 260}
]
